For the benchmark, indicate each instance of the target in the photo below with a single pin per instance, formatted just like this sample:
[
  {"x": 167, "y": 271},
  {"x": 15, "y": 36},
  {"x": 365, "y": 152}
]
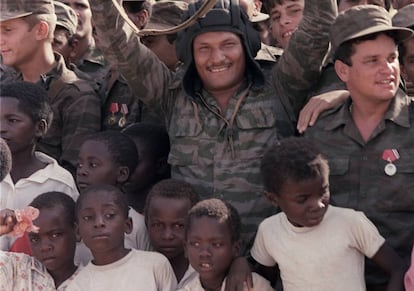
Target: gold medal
[
  {"x": 113, "y": 109},
  {"x": 112, "y": 120}
]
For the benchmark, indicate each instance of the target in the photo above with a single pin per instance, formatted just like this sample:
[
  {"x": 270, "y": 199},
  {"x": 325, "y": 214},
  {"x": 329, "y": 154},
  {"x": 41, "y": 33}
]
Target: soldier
[
  {"x": 26, "y": 29},
  {"x": 224, "y": 111},
  {"x": 369, "y": 139},
  {"x": 139, "y": 11}
]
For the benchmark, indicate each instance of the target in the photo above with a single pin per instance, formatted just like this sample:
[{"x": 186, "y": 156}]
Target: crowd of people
[{"x": 257, "y": 146}]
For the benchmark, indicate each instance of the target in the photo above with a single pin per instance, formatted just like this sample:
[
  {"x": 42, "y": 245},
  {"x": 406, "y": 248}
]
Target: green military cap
[
  {"x": 404, "y": 17},
  {"x": 11, "y": 9},
  {"x": 66, "y": 17},
  {"x": 165, "y": 14},
  {"x": 363, "y": 20}
]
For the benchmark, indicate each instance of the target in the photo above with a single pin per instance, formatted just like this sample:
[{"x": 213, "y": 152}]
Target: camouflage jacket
[
  {"x": 220, "y": 155},
  {"x": 357, "y": 169},
  {"x": 76, "y": 112}
]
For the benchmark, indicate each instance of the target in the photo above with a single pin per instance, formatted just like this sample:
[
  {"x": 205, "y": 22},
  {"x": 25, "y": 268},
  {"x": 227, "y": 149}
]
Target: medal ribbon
[{"x": 390, "y": 155}]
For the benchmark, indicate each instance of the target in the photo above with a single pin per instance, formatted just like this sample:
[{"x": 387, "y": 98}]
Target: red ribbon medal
[{"x": 390, "y": 155}]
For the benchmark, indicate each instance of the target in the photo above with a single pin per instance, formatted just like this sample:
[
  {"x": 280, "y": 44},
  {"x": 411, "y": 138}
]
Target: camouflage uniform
[
  {"x": 76, "y": 112},
  {"x": 220, "y": 155},
  {"x": 357, "y": 176}
]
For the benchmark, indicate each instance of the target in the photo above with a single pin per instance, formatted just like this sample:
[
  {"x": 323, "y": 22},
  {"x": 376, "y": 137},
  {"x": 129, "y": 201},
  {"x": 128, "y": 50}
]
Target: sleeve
[
  {"x": 146, "y": 75},
  {"x": 365, "y": 236},
  {"x": 81, "y": 115},
  {"x": 259, "y": 250},
  {"x": 299, "y": 67},
  {"x": 164, "y": 275}
]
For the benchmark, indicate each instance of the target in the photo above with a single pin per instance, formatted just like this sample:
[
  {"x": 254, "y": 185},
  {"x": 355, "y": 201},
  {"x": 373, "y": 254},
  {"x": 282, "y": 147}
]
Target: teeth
[
  {"x": 205, "y": 265},
  {"x": 217, "y": 70}
]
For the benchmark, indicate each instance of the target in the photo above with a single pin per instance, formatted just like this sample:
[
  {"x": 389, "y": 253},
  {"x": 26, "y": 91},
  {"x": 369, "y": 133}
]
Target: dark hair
[
  {"x": 33, "y": 99},
  {"x": 219, "y": 209},
  {"x": 119, "y": 197},
  {"x": 347, "y": 49},
  {"x": 69, "y": 36},
  {"x": 156, "y": 139},
  {"x": 5, "y": 159},
  {"x": 173, "y": 189},
  {"x": 120, "y": 146},
  {"x": 52, "y": 199},
  {"x": 270, "y": 4},
  {"x": 137, "y": 6},
  {"x": 294, "y": 158},
  {"x": 402, "y": 48}
]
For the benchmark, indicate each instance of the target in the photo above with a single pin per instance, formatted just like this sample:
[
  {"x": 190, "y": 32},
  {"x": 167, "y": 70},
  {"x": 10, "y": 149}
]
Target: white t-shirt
[
  {"x": 259, "y": 283},
  {"x": 138, "y": 238},
  {"x": 51, "y": 178},
  {"x": 329, "y": 256},
  {"x": 189, "y": 275},
  {"x": 138, "y": 269}
]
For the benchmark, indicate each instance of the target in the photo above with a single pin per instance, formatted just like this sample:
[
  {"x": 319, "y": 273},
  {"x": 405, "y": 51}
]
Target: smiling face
[
  {"x": 220, "y": 60},
  {"x": 285, "y": 19},
  {"x": 102, "y": 225},
  {"x": 304, "y": 202},
  {"x": 165, "y": 222},
  {"x": 210, "y": 249},
  {"x": 18, "y": 43},
  {"x": 95, "y": 165},
  {"x": 374, "y": 74},
  {"x": 55, "y": 243},
  {"x": 16, "y": 127}
]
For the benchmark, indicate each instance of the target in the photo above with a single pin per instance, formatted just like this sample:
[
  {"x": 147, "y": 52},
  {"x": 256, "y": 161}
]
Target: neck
[
  {"x": 60, "y": 276},
  {"x": 223, "y": 96},
  {"x": 180, "y": 266},
  {"x": 367, "y": 116},
  {"x": 213, "y": 284},
  {"x": 110, "y": 257},
  {"x": 40, "y": 64},
  {"x": 24, "y": 164}
]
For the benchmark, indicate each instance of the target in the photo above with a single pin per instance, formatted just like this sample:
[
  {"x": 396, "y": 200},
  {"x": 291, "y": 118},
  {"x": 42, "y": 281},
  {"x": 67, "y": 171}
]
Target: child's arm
[
  {"x": 389, "y": 261},
  {"x": 7, "y": 221}
]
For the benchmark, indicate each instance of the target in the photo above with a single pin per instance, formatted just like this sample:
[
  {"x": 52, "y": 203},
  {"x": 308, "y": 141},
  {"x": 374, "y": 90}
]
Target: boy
[
  {"x": 166, "y": 211},
  {"x": 153, "y": 146},
  {"x": 26, "y": 29},
  {"x": 368, "y": 139},
  {"x": 25, "y": 117},
  {"x": 314, "y": 245},
  {"x": 102, "y": 217},
  {"x": 51, "y": 266},
  {"x": 212, "y": 236}
]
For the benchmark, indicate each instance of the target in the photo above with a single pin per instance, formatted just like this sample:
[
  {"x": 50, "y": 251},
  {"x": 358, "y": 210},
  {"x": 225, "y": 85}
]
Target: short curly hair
[
  {"x": 295, "y": 158},
  {"x": 219, "y": 209}
]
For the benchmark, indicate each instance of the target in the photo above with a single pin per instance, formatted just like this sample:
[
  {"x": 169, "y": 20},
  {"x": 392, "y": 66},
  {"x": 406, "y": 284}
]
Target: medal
[
  {"x": 124, "y": 111},
  {"x": 113, "y": 109},
  {"x": 390, "y": 155}
]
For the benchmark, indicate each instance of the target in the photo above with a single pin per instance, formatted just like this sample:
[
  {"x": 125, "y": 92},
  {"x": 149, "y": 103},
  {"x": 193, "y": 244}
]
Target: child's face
[
  {"x": 95, "y": 165},
  {"x": 18, "y": 43},
  {"x": 102, "y": 226},
  {"x": 408, "y": 60},
  {"x": 55, "y": 243},
  {"x": 304, "y": 202},
  {"x": 17, "y": 128},
  {"x": 285, "y": 19},
  {"x": 166, "y": 220},
  {"x": 145, "y": 173},
  {"x": 210, "y": 249}
]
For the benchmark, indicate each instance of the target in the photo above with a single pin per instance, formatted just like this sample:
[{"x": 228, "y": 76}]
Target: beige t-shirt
[
  {"x": 329, "y": 256},
  {"x": 259, "y": 283}
]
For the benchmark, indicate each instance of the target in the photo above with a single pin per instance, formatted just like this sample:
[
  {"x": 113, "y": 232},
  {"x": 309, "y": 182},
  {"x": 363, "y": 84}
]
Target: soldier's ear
[
  {"x": 342, "y": 70},
  {"x": 41, "y": 30}
]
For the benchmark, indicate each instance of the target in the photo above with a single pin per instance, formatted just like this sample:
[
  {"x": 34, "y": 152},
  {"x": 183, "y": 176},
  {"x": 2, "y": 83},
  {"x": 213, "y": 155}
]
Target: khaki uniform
[
  {"x": 219, "y": 153},
  {"x": 357, "y": 171}
]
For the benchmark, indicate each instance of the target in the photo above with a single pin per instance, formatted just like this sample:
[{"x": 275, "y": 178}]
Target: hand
[
  {"x": 7, "y": 221},
  {"x": 318, "y": 104},
  {"x": 239, "y": 275}
]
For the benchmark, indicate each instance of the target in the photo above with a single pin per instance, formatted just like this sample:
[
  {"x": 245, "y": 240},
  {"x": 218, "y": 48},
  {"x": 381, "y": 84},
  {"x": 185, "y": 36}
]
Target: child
[
  {"x": 153, "y": 145},
  {"x": 25, "y": 117},
  {"x": 166, "y": 211},
  {"x": 102, "y": 216},
  {"x": 51, "y": 266},
  {"x": 212, "y": 242},
  {"x": 109, "y": 157},
  {"x": 315, "y": 246}
]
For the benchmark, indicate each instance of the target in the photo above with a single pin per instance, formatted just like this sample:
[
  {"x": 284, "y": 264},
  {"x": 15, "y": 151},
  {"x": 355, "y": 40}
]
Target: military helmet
[{"x": 226, "y": 15}]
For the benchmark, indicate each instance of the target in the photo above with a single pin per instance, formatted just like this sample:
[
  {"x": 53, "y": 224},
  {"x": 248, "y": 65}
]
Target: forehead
[
  {"x": 285, "y": 3},
  {"x": 169, "y": 206},
  {"x": 208, "y": 227},
  {"x": 97, "y": 199},
  {"x": 8, "y": 104},
  {"x": 51, "y": 218},
  {"x": 94, "y": 147},
  {"x": 215, "y": 37},
  {"x": 382, "y": 43},
  {"x": 13, "y": 22}
]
